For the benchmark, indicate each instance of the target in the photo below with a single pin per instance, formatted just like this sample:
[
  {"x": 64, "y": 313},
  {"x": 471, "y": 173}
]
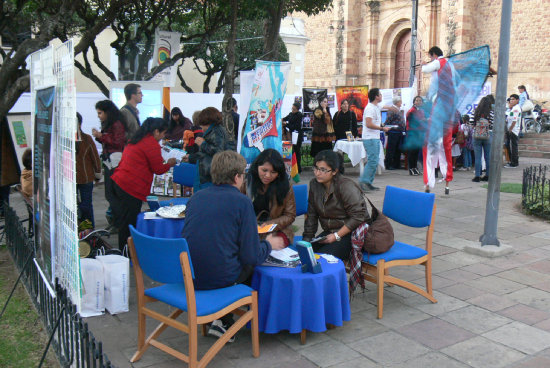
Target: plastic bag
[
  {"x": 116, "y": 271},
  {"x": 93, "y": 293}
]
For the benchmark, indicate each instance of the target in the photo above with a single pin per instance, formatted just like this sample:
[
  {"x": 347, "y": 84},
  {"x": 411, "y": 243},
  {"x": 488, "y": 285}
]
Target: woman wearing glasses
[
  {"x": 336, "y": 202},
  {"x": 268, "y": 187}
]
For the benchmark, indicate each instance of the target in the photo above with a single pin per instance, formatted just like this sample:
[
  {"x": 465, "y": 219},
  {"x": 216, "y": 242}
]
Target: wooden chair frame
[
  {"x": 379, "y": 274},
  {"x": 193, "y": 321}
]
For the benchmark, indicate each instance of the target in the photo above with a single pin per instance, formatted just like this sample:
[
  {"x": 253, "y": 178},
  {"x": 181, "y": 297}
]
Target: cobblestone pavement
[{"x": 490, "y": 312}]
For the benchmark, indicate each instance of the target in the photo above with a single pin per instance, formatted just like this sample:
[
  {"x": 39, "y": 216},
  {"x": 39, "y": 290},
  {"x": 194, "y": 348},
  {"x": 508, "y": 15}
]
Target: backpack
[{"x": 481, "y": 129}]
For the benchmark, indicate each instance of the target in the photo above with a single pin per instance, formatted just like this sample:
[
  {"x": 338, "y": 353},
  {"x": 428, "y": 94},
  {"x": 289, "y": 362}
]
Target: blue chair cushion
[
  {"x": 208, "y": 301},
  {"x": 174, "y": 201},
  {"x": 398, "y": 251}
]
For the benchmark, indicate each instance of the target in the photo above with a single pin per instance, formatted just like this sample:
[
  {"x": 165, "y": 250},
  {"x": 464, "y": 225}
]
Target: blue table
[
  {"x": 160, "y": 227},
  {"x": 291, "y": 300}
]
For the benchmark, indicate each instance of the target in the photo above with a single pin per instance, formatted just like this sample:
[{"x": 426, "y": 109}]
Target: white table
[{"x": 357, "y": 154}]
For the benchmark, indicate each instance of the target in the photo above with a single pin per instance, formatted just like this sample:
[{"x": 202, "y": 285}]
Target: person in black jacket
[
  {"x": 345, "y": 120},
  {"x": 293, "y": 123}
]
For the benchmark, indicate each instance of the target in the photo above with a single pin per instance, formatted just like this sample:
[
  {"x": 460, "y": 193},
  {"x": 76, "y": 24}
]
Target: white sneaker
[{"x": 217, "y": 329}]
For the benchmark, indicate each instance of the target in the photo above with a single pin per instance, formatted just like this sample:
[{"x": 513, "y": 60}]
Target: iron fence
[
  {"x": 72, "y": 341},
  {"x": 535, "y": 198}
]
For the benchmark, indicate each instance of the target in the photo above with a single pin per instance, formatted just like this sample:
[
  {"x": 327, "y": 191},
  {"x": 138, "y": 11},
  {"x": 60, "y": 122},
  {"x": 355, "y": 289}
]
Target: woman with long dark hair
[
  {"x": 344, "y": 121},
  {"x": 132, "y": 179},
  {"x": 413, "y": 139},
  {"x": 113, "y": 137},
  {"x": 323, "y": 130},
  {"x": 178, "y": 125},
  {"x": 336, "y": 202},
  {"x": 483, "y": 111},
  {"x": 268, "y": 187}
]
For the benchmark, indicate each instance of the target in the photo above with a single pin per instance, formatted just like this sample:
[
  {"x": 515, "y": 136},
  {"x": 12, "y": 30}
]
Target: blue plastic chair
[
  {"x": 168, "y": 261},
  {"x": 184, "y": 174},
  {"x": 410, "y": 208},
  {"x": 300, "y": 195}
]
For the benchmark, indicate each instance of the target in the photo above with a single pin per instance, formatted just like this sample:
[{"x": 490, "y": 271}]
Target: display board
[{"x": 20, "y": 129}]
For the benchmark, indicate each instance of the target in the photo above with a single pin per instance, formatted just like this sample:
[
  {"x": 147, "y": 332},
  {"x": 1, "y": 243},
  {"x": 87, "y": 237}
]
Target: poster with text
[
  {"x": 312, "y": 98},
  {"x": 43, "y": 191},
  {"x": 263, "y": 128},
  {"x": 357, "y": 97}
]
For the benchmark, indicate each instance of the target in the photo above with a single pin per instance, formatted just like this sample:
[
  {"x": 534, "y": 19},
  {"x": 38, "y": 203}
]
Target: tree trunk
[
  {"x": 229, "y": 85},
  {"x": 272, "y": 26}
]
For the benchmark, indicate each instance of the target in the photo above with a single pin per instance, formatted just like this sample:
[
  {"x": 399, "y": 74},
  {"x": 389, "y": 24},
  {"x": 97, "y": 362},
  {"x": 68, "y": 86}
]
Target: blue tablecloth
[
  {"x": 160, "y": 227},
  {"x": 291, "y": 300}
]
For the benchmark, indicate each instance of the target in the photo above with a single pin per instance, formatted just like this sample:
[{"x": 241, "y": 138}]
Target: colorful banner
[
  {"x": 167, "y": 44},
  {"x": 357, "y": 96},
  {"x": 312, "y": 98},
  {"x": 263, "y": 128},
  {"x": 42, "y": 179}
]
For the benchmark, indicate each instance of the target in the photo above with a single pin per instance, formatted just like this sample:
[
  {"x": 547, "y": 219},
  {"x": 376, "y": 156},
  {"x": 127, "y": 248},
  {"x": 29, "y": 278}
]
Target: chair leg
[
  {"x": 380, "y": 286},
  {"x": 203, "y": 329},
  {"x": 386, "y": 273},
  {"x": 429, "y": 277},
  {"x": 193, "y": 345},
  {"x": 141, "y": 338},
  {"x": 255, "y": 326}
]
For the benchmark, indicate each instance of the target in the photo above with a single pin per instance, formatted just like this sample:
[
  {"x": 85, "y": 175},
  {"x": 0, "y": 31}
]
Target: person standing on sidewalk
[
  {"x": 512, "y": 130},
  {"x": 371, "y": 139},
  {"x": 134, "y": 96}
]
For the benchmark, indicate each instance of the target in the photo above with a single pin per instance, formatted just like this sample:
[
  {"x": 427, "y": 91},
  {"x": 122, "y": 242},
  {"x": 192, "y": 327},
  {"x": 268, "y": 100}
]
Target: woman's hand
[
  {"x": 172, "y": 161},
  {"x": 199, "y": 140},
  {"x": 329, "y": 239},
  {"x": 96, "y": 133},
  {"x": 276, "y": 242}
]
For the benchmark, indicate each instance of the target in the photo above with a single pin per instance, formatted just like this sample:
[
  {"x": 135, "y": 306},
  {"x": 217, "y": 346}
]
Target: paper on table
[
  {"x": 285, "y": 255},
  {"x": 266, "y": 228},
  {"x": 150, "y": 216}
]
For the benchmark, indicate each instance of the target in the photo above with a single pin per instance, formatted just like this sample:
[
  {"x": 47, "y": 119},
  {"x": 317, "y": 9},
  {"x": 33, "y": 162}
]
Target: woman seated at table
[
  {"x": 268, "y": 187},
  {"x": 336, "y": 202},
  {"x": 133, "y": 177}
]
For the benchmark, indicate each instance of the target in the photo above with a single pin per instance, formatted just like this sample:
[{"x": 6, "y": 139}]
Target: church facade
[{"x": 368, "y": 41}]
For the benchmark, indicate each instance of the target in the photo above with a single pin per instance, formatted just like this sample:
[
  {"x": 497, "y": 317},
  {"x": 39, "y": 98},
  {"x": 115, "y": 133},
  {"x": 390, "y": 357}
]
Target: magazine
[{"x": 283, "y": 258}]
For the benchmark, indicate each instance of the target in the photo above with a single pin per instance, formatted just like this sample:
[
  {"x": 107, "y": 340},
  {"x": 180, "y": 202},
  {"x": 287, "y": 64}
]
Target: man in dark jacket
[
  {"x": 293, "y": 123},
  {"x": 222, "y": 233}
]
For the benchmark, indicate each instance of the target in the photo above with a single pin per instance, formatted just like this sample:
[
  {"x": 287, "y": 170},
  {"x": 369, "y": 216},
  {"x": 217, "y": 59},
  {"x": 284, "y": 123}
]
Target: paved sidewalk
[{"x": 490, "y": 312}]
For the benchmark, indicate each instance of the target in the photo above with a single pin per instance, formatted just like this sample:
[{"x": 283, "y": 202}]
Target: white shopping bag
[
  {"x": 295, "y": 137},
  {"x": 116, "y": 272},
  {"x": 93, "y": 302}
]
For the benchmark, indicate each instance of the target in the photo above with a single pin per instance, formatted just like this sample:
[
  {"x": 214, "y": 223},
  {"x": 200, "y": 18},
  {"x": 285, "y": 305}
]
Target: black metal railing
[
  {"x": 72, "y": 341},
  {"x": 535, "y": 198}
]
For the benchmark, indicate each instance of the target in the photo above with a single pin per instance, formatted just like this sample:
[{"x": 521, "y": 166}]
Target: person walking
[
  {"x": 293, "y": 123},
  {"x": 371, "y": 139},
  {"x": 512, "y": 130},
  {"x": 129, "y": 111},
  {"x": 483, "y": 144}
]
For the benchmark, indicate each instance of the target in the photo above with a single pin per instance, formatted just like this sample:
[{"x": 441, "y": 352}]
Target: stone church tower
[{"x": 368, "y": 41}]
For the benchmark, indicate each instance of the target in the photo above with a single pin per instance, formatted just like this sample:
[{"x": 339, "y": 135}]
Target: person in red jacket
[
  {"x": 133, "y": 177},
  {"x": 113, "y": 139}
]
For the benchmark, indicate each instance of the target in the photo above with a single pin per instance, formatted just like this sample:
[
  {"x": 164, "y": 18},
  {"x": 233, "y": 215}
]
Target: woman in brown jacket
[
  {"x": 323, "y": 134},
  {"x": 268, "y": 187},
  {"x": 337, "y": 203},
  {"x": 88, "y": 170}
]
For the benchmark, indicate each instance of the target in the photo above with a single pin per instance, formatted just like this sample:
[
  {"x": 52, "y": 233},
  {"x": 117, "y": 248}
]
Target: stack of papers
[
  {"x": 169, "y": 152},
  {"x": 283, "y": 258}
]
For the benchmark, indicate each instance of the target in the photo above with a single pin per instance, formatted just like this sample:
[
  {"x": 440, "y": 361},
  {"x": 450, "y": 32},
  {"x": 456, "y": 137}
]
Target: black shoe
[
  {"x": 446, "y": 191},
  {"x": 372, "y": 187},
  {"x": 364, "y": 187},
  {"x": 217, "y": 329},
  {"x": 427, "y": 189},
  {"x": 485, "y": 178},
  {"x": 477, "y": 179},
  {"x": 411, "y": 172}
]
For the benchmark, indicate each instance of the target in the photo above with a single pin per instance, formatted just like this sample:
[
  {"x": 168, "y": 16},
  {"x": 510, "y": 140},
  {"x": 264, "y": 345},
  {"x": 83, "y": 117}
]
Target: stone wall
[{"x": 369, "y": 51}]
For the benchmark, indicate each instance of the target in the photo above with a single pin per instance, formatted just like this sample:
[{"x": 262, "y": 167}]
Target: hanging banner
[
  {"x": 312, "y": 98},
  {"x": 43, "y": 194},
  {"x": 357, "y": 97},
  {"x": 167, "y": 44},
  {"x": 263, "y": 128}
]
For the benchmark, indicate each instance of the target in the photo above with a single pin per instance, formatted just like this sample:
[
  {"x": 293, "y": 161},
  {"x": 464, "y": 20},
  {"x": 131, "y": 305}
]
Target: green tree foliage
[
  {"x": 211, "y": 60},
  {"x": 28, "y": 26}
]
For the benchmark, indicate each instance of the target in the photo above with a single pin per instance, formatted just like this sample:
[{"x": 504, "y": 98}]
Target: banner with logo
[
  {"x": 263, "y": 128},
  {"x": 167, "y": 44},
  {"x": 43, "y": 188},
  {"x": 313, "y": 97},
  {"x": 357, "y": 97}
]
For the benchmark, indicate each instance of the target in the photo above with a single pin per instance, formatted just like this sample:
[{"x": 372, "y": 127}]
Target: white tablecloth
[{"x": 356, "y": 152}]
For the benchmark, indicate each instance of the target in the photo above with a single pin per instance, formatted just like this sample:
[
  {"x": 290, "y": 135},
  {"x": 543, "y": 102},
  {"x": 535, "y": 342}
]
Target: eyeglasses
[{"x": 321, "y": 169}]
